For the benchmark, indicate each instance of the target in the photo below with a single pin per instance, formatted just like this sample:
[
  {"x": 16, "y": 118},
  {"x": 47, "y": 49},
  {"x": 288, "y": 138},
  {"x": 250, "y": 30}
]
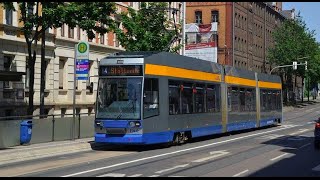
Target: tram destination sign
[{"x": 121, "y": 70}]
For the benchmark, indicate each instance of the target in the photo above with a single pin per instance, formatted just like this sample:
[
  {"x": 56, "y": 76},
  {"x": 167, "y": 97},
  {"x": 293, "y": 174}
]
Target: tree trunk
[
  {"x": 32, "y": 60},
  {"x": 43, "y": 73}
]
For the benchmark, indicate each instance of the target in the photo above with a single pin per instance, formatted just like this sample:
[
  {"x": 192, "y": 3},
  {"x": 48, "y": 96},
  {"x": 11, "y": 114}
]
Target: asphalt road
[{"x": 285, "y": 150}]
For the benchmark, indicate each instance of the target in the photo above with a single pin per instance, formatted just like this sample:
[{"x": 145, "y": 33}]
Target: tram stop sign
[{"x": 82, "y": 60}]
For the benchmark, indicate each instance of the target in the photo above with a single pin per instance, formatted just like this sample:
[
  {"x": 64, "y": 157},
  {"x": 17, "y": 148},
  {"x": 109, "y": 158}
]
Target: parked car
[{"x": 317, "y": 134}]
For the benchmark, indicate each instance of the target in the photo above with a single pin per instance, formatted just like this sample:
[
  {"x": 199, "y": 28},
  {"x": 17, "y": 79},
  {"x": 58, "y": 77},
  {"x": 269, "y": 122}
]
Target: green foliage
[
  {"x": 293, "y": 40},
  {"x": 147, "y": 28}
]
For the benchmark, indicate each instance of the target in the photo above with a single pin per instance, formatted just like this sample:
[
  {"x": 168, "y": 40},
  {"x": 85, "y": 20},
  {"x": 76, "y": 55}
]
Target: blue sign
[{"x": 82, "y": 69}]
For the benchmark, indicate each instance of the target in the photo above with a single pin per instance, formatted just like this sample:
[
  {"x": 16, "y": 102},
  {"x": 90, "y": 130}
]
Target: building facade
[
  {"x": 59, "y": 77},
  {"x": 244, "y": 30}
]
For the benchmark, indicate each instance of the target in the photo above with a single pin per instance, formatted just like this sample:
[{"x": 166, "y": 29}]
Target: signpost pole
[
  {"x": 81, "y": 70},
  {"x": 74, "y": 94}
]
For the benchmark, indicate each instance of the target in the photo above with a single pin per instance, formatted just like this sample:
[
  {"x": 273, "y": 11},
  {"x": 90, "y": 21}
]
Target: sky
[{"x": 310, "y": 12}]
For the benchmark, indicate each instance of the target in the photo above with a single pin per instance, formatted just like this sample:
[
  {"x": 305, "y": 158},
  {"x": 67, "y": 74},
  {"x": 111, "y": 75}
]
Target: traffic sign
[
  {"x": 82, "y": 60},
  {"x": 82, "y": 50}
]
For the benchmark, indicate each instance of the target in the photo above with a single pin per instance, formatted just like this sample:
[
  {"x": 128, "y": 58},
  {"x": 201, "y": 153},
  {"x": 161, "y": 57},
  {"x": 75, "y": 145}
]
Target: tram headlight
[
  {"x": 99, "y": 123},
  {"x": 138, "y": 124},
  {"x": 132, "y": 124}
]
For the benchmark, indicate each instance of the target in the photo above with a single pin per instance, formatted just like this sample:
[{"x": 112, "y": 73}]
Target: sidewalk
[
  {"x": 301, "y": 105},
  {"x": 41, "y": 150}
]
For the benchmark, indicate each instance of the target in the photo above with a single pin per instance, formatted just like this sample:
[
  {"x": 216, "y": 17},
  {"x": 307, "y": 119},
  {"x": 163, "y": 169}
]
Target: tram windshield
[{"x": 119, "y": 98}]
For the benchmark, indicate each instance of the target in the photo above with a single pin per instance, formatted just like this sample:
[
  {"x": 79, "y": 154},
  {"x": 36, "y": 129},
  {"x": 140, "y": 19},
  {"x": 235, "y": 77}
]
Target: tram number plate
[{"x": 133, "y": 130}]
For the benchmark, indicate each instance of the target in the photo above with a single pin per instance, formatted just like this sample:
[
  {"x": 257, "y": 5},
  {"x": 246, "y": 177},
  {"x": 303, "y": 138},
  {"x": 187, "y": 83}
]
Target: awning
[{"x": 11, "y": 75}]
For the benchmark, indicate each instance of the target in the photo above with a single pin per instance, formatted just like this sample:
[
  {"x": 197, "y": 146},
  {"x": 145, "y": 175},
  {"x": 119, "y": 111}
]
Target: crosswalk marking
[{"x": 112, "y": 175}]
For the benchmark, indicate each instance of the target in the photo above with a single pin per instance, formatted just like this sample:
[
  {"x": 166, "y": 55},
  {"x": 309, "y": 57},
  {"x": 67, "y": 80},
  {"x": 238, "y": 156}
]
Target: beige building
[{"x": 59, "y": 79}]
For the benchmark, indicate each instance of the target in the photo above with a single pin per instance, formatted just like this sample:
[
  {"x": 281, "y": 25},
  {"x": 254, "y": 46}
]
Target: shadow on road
[{"x": 301, "y": 157}]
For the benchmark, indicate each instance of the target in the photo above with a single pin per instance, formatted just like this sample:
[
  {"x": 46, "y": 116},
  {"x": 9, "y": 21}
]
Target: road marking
[
  {"x": 216, "y": 154},
  {"x": 304, "y": 145},
  {"x": 135, "y": 175},
  {"x": 310, "y": 122},
  {"x": 177, "y": 176},
  {"x": 174, "y": 152},
  {"x": 112, "y": 175},
  {"x": 154, "y": 176},
  {"x": 299, "y": 132},
  {"x": 240, "y": 173},
  {"x": 270, "y": 136},
  {"x": 290, "y": 125},
  {"x": 169, "y": 169},
  {"x": 278, "y": 157},
  {"x": 317, "y": 168}
]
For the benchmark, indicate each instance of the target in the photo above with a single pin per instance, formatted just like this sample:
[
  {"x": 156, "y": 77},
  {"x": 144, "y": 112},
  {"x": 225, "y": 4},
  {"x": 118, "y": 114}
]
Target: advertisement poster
[{"x": 201, "y": 41}]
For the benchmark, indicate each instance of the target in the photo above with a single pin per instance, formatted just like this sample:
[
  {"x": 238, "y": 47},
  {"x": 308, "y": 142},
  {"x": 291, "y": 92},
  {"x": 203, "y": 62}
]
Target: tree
[
  {"x": 293, "y": 40},
  {"x": 147, "y": 28},
  {"x": 89, "y": 16}
]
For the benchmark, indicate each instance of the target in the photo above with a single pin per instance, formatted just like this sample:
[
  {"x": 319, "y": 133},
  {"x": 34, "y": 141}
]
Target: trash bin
[{"x": 25, "y": 131}]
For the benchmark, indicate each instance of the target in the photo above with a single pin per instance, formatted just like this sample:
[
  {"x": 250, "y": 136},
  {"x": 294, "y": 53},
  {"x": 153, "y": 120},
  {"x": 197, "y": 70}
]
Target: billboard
[{"x": 201, "y": 41}]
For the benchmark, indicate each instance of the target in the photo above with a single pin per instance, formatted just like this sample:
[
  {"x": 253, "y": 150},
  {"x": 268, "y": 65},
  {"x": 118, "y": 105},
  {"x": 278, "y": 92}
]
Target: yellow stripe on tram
[
  {"x": 263, "y": 84},
  {"x": 240, "y": 81},
  {"x": 159, "y": 70}
]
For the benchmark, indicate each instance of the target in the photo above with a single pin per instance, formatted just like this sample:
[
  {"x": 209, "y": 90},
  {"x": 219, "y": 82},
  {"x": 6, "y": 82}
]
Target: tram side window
[
  {"x": 278, "y": 95},
  {"x": 263, "y": 100},
  {"x": 269, "y": 101},
  {"x": 250, "y": 100},
  {"x": 174, "y": 97},
  {"x": 213, "y": 95},
  {"x": 186, "y": 98},
  {"x": 151, "y": 97},
  {"x": 199, "y": 91},
  {"x": 235, "y": 99},
  {"x": 242, "y": 99}
]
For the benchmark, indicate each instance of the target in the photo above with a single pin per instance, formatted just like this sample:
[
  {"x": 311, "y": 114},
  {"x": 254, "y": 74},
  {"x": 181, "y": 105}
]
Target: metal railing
[{"x": 48, "y": 128}]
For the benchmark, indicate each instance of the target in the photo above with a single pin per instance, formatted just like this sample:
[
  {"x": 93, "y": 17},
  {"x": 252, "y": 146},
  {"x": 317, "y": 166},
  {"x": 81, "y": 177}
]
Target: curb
[{"x": 31, "y": 153}]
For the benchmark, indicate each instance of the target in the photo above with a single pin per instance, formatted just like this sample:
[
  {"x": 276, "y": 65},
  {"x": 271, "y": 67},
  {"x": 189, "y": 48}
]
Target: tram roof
[
  {"x": 171, "y": 59},
  {"x": 180, "y": 61}
]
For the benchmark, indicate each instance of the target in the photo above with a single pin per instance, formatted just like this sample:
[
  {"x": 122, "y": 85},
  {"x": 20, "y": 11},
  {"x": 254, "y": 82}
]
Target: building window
[
  {"x": 62, "y": 30},
  {"x": 79, "y": 33},
  {"x": 61, "y": 73},
  {"x": 9, "y": 14},
  {"x": 151, "y": 97},
  {"x": 70, "y": 32},
  {"x": 7, "y": 67},
  {"x": 101, "y": 38},
  {"x": 198, "y": 15},
  {"x": 63, "y": 111},
  {"x": 214, "y": 16},
  {"x": 47, "y": 74},
  {"x": 117, "y": 44},
  {"x": 90, "y": 109},
  {"x": 78, "y": 111},
  {"x": 8, "y": 112}
]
